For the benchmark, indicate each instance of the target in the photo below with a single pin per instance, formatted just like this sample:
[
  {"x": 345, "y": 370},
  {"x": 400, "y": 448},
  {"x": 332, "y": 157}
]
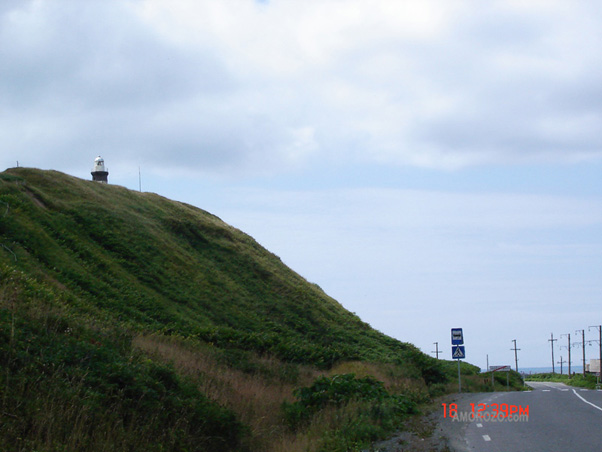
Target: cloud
[
  {"x": 244, "y": 87},
  {"x": 434, "y": 84}
]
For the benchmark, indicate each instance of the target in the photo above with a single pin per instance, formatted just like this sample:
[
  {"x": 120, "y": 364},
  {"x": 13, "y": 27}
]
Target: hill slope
[{"x": 85, "y": 268}]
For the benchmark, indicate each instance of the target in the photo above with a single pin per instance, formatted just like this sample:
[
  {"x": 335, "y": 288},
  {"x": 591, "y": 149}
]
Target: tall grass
[
  {"x": 256, "y": 397},
  {"x": 68, "y": 387},
  {"x": 258, "y": 393}
]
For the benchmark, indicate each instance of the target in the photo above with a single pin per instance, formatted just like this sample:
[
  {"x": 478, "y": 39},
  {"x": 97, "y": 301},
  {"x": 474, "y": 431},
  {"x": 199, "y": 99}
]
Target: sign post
[
  {"x": 494, "y": 369},
  {"x": 458, "y": 351}
]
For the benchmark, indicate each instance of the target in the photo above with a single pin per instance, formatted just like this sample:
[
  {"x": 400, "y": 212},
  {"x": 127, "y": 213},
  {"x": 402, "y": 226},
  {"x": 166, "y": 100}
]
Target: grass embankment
[
  {"x": 132, "y": 322},
  {"x": 588, "y": 381},
  {"x": 475, "y": 381}
]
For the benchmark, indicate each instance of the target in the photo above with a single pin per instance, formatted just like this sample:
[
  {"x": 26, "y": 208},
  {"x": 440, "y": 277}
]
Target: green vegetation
[
  {"x": 147, "y": 263},
  {"x": 132, "y": 322},
  {"x": 588, "y": 381},
  {"x": 504, "y": 381},
  {"x": 371, "y": 411},
  {"x": 475, "y": 381},
  {"x": 68, "y": 387}
]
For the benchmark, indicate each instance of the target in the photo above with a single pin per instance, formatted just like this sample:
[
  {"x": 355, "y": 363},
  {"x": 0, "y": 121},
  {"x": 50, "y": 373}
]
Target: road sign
[
  {"x": 499, "y": 368},
  {"x": 458, "y": 352},
  {"x": 457, "y": 336}
]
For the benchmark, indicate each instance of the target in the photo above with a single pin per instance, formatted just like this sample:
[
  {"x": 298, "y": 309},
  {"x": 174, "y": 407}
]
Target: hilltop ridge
[
  {"x": 110, "y": 287},
  {"x": 161, "y": 265}
]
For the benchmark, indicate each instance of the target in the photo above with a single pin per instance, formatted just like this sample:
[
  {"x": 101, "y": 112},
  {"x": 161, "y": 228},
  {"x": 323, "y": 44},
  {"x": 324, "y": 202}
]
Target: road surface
[{"x": 560, "y": 419}]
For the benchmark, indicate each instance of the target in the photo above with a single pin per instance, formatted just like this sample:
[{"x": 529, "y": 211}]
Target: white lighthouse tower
[{"x": 99, "y": 172}]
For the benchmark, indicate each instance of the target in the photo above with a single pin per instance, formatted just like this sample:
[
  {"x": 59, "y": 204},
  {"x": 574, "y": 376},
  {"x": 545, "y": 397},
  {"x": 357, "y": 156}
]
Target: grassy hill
[{"x": 132, "y": 322}]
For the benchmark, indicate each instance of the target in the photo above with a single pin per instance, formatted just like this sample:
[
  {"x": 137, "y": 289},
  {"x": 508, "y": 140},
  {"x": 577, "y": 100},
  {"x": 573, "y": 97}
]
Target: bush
[
  {"x": 361, "y": 411},
  {"x": 338, "y": 389},
  {"x": 437, "y": 389}
]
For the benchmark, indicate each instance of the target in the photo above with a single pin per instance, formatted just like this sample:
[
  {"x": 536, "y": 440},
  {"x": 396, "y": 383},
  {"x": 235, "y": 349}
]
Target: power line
[
  {"x": 569, "y": 349},
  {"x": 599, "y": 328},
  {"x": 583, "y": 346},
  {"x": 515, "y": 355},
  {"x": 437, "y": 352},
  {"x": 551, "y": 341},
  {"x": 560, "y": 362}
]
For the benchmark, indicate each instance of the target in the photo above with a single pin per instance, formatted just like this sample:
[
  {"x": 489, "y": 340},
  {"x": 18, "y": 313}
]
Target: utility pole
[
  {"x": 560, "y": 362},
  {"x": 582, "y": 345},
  {"x": 599, "y": 328},
  {"x": 551, "y": 341},
  {"x": 436, "y": 349},
  {"x": 569, "y": 349},
  {"x": 515, "y": 355},
  {"x": 139, "y": 181}
]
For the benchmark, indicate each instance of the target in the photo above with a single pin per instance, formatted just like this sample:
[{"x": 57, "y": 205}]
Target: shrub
[{"x": 361, "y": 411}]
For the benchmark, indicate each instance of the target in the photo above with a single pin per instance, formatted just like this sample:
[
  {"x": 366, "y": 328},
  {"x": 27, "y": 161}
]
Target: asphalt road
[{"x": 560, "y": 419}]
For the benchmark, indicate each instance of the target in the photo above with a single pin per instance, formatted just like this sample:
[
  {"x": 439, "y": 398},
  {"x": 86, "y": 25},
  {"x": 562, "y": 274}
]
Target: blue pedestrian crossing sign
[
  {"x": 458, "y": 352},
  {"x": 456, "y": 336}
]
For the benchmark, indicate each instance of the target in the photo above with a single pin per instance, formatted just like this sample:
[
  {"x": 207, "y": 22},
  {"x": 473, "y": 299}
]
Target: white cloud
[{"x": 436, "y": 84}]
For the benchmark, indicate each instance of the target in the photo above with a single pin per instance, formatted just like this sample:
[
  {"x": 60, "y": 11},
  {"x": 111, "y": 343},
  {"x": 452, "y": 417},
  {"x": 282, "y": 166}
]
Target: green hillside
[{"x": 132, "y": 322}]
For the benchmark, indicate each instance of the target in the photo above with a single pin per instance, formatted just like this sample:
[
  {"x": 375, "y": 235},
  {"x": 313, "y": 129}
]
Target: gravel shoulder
[{"x": 430, "y": 432}]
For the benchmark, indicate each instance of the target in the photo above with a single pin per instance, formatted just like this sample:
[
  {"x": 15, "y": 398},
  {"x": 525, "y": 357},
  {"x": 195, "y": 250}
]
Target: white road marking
[
  {"x": 479, "y": 425},
  {"x": 584, "y": 390},
  {"x": 546, "y": 390},
  {"x": 564, "y": 389},
  {"x": 486, "y": 438},
  {"x": 589, "y": 403}
]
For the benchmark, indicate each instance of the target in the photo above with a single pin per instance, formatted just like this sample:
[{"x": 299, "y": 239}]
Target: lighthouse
[{"x": 99, "y": 172}]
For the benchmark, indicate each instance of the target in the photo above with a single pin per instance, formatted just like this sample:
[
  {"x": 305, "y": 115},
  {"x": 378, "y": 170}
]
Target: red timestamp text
[{"x": 489, "y": 410}]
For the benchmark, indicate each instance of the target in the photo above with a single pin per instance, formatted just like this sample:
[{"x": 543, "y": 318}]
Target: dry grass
[
  {"x": 256, "y": 400},
  {"x": 392, "y": 376}
]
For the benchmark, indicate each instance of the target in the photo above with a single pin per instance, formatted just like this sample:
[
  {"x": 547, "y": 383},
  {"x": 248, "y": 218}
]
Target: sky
[{"x": 431, "y": 164}]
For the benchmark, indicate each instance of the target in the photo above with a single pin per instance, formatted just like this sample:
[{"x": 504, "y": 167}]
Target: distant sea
[{"x": 540, "y": 370}]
